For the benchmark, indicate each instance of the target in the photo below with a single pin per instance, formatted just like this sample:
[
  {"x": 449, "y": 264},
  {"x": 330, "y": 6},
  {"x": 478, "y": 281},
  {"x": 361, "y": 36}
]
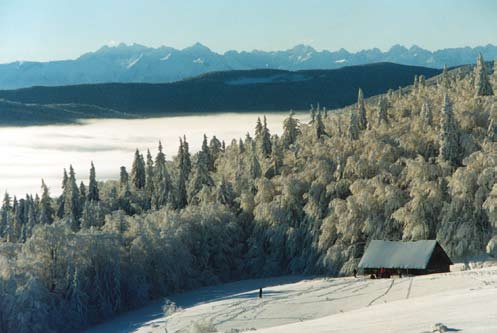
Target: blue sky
[{"x": 62, "y": 29}]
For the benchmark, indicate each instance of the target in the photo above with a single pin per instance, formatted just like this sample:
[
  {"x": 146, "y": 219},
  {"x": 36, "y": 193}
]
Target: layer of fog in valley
[{"x": 33, "y": 153}]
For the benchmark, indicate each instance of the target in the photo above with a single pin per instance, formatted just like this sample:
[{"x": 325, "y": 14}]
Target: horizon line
[{"x": 114, "y": 44}]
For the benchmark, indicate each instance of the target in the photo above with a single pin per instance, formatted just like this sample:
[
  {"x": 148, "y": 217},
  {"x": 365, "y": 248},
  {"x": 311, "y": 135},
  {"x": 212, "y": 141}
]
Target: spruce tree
[
  {"x": 186, "y": 161},
  {"x": 46, "y": 210},
  {"x": 319, "y": 126},
  {"x": 426, "y": 114},
  {"x": 18, "y": 207},
  {"x": 181, "y": 194},
  {"x": 255, "y": 167},
  {"x": 449, "y": 134},
  {"x": 6, "y": 215},
  {"x": 291, "y": 129},
  {"x": 215, "y": 149},
  {"x": 138, "y": 172},
  {"x": 162, "y": 181},
  {"x": 353, "y": 132},
  {"x": 123, "y": 178},
  {"x": 207, "y": 154},
  {"x": 200, "y": 178},
  {"x": 444, "y": 80},
  {"x": 124, "y": 195},
  {"x": 421, "y": 81},
  {"x": 61, "y": 199},
  {"x": 362, "y": 121},
  {"x": 482, "y": 83},
  {"x": 258, "y": 129},
  {"x": 149, "y": 179},
  {"x": 72, "y": 204},
  {"x": 313, "y": 114},
  {"x": 382, "y": 111},
  {"x": 265, "y": 141},
  {"x": 225, "y": 194},
  {"x": 82, "y": 193},
  {"x": 241, "y": 146},
  {"x": 93, "y": 194}
]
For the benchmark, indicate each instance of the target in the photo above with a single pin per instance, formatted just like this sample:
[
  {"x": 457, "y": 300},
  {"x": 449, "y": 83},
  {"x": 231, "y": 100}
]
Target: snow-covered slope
[{"x": 463, "y": 301}]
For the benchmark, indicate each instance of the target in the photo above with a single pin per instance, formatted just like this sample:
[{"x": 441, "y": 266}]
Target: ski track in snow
[
  {"x": 410, "y": 287},
  {"x": 294, "y": 301},
  {"x": 382, "y": 295}
]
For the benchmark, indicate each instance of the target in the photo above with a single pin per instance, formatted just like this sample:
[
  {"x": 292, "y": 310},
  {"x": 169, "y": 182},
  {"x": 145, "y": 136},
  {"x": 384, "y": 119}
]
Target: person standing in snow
[
  {"x": 260, "y": 292},
  {"x": 355, "y": 272}
]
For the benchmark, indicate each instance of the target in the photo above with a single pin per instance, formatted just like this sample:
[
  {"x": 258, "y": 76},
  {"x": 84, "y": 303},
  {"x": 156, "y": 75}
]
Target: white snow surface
[
  {"x": 134, "y": 61},
  {"x": 463, "y": 301},
  {"x": 166, "y": 57}
]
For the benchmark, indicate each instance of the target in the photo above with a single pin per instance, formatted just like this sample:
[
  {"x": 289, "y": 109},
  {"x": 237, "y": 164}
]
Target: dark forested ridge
[
  {"x": 415, "y": 163},
  {"x": 252, "y": 90}
]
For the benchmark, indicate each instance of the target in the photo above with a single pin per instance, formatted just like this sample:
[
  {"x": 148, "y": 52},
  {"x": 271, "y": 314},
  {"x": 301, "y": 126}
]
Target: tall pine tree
[
  {"x": 93, "y": 194},
  {"x": 138, "y": 172}
]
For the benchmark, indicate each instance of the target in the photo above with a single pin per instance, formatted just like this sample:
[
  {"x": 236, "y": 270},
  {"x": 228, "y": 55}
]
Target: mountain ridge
[{"x": 139, "y": 63}]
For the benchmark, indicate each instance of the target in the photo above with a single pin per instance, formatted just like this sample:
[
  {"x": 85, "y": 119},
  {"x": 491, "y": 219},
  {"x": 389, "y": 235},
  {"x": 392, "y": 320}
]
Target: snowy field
[{"x": 464, "y": 301}]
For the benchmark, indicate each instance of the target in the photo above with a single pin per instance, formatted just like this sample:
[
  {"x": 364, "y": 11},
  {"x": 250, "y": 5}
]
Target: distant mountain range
[
  {"x": 137, "y": 63},
  {"x": 242, "y": 90}
]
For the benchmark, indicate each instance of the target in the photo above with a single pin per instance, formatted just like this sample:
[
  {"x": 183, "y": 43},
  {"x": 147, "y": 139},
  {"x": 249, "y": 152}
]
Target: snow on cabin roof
[{"x": 391, "y": 254}]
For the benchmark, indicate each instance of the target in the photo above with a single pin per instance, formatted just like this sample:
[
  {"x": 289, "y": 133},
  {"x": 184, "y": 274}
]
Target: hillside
[
  {"x": 138, "y": 63},
  {"x": 416, "y": 163},
  {"x": 460, "y": 300},
  {"x": 252, "y": 90}
]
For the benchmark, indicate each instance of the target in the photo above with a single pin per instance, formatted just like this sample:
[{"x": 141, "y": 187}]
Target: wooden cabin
[{"x": 407, "y": 258}]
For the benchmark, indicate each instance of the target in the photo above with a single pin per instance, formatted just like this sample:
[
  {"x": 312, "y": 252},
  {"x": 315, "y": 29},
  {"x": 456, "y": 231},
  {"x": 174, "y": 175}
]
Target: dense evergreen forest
[{"x": 416, "y": 163}]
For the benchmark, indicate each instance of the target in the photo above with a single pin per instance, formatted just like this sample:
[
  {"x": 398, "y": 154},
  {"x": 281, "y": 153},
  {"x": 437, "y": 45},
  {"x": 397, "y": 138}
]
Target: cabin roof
[{"x": 398, "y": 254}]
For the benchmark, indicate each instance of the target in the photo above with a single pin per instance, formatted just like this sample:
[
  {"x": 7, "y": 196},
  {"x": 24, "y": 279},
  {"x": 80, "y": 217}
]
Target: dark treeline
[{"x": 417, "y": 163}]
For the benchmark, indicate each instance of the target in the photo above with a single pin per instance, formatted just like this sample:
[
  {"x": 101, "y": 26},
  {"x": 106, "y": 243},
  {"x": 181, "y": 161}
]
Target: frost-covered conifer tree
[
  {"x": 123, "y": 177},
  {"x": 200, "y": 178},
  {"x": 444, "y": 79},
  {"x": 124, "y": 197},
  {"x": 422, "y": 81},
  {"x": 255, "y": 167},
  {"x": 82, "y": 193},
  {"x": 258, "y": 129},
  {"x": 362, "y": 121},
  {"x": 319, "y": 126},
  {"x": 93, "y": 194},
  {"x": 265, "y": 141},
  {"x": 162, "y": 181},
  {"x": 426, "y": 114},
  {"x": 215, "y": 149},
  {"x": 207, "y": 154},
  {"x": 149, "y": 178},
  {"x": 482, "y": 83},
  {"x": 291, "y": 129},
  {"x": 449, "y": 134},
  {"x": 72, "y": 204},
  {"x": 353, "y": 132},
  {"x": 6, "y": 215},
  {"x": 61, "y": 199},
  {"x": 138, "y": 172},
  {"x": 313, "y": 114},
  {"x": 185, "y": 160},
  {"x": 225, "y": 194},
  {"x": 382, "y": 111}
]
